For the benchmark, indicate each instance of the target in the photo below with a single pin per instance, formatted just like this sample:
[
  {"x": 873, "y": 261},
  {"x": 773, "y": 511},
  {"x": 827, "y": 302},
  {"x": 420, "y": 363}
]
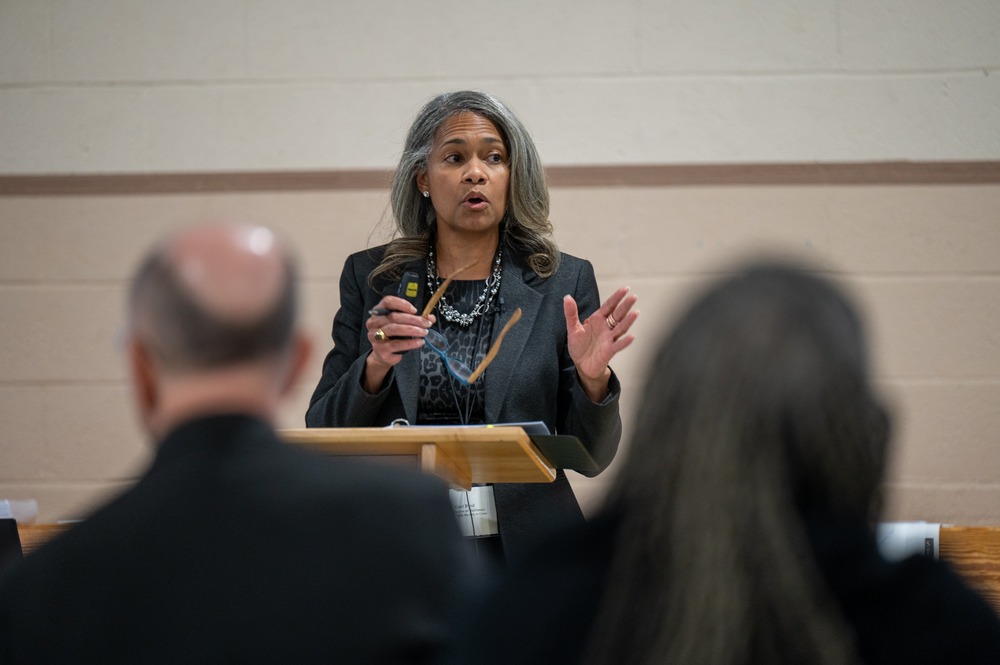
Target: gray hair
[
  {"x": 759, "y": 422},
  {"x": 184, "y": 335},
  {"x": 526, "y": 220}
]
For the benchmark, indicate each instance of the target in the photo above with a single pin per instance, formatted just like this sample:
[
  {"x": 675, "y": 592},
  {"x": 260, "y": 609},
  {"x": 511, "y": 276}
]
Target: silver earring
[{"x": 427, "y": 194}]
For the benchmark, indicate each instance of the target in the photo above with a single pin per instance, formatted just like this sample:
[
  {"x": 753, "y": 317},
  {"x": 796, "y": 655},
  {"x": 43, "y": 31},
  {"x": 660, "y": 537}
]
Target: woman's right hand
[{"x": 394, "y": 327}]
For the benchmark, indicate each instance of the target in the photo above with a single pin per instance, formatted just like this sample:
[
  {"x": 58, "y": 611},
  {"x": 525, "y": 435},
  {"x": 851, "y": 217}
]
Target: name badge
[{"x": 476, "y": 511}]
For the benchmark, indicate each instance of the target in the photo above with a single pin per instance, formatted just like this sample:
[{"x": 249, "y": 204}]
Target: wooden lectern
[{"x": 460, "y": 455}]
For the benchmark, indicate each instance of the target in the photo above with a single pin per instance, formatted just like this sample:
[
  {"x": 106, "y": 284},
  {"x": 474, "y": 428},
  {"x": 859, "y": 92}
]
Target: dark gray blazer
[{"x": 532, "y": 378}]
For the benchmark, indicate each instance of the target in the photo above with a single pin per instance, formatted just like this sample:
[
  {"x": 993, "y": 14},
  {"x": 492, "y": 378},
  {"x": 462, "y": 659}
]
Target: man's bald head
[{"x": 215, "y": 295}]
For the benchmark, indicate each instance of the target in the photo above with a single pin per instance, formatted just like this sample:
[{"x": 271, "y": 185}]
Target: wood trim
[
  {"x": 652, "y": 175},
  {"x": 974, "y": 553}
]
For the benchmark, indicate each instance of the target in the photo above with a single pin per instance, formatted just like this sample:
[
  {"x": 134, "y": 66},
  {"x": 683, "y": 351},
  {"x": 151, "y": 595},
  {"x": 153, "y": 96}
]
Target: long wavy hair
[
  {"x": 758, "y": 411},
  {"x": 525, "y": 224}
]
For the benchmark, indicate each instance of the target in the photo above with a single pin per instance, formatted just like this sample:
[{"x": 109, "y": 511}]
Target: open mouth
[{"x": 476, "y": 199}]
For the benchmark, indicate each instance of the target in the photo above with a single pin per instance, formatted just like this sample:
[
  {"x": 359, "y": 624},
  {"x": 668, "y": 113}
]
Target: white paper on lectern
[
  {"x": 898, "y": 540},
  {"x": 530, "y": 428}
]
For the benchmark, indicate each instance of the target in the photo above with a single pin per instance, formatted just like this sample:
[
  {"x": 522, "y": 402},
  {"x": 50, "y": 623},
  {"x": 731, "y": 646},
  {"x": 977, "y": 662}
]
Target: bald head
[{"x": 214, "y": 295}]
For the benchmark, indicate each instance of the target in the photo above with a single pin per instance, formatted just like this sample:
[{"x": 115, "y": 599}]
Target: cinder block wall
[
  {"x": 139, "y": 85},
  {"x": 115, "y": 88}
]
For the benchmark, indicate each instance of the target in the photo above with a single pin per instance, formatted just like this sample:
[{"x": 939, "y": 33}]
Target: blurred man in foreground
[{"x": 233, "y": 546}]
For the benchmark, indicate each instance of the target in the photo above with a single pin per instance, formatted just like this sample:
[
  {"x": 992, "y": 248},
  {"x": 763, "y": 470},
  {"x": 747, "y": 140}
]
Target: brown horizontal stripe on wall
[
  {"x": 653, "y": 175},
  {"x": 861, "y": 173},
  {"x": 177, "y": 183}
]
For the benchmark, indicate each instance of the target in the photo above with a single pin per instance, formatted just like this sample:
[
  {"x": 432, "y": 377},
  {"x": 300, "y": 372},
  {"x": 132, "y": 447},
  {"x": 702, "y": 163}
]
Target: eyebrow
[{"x": 460, "y": 141}]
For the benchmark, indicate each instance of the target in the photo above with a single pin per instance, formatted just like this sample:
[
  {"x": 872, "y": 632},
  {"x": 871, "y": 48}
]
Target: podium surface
[{"x": 460, "y": 455}]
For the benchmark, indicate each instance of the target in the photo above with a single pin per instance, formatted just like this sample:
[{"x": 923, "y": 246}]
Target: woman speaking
[{"x": 472, "y": 315}]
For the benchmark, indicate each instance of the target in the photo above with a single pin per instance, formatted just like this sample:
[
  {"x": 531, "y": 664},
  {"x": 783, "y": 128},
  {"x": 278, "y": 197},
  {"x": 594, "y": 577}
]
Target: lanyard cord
[{"x": 465, "y": 415}]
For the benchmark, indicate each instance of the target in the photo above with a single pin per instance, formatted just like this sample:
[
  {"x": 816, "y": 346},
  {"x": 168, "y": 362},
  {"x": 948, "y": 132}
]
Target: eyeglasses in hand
[
  {"x": 440, "y": 345},
  {"x": 459, "y": 369}
]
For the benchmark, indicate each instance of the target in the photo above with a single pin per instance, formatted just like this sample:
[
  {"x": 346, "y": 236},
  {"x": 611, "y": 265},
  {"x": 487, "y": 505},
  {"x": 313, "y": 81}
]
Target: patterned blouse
[{"x": 444, "y": 399}]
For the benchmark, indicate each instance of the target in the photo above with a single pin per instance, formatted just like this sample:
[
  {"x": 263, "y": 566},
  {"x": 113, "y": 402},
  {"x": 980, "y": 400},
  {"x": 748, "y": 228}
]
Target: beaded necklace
[{"x": 451, "y": 314}]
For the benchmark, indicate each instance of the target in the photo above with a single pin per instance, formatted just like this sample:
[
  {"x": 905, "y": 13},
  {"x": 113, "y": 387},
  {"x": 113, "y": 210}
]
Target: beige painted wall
[
  {"x": 923, "y": 260},
  {"x": 145, "y": 86}
]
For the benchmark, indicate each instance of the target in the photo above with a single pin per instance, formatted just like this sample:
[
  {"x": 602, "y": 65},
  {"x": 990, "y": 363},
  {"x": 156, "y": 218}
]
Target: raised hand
[{"x": 594, "y": 342}]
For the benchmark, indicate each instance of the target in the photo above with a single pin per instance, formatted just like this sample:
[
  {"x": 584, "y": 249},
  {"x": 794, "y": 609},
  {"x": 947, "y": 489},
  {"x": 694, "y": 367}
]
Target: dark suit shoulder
[
  {"x": 359, "y": 265},
  {"x": 572, "y": 263},
  {"x": 369, "y": 257},
  {"x": 570, "y": 270},
  {"x": 341, "y": 475},
  {"x": 370, "y": 476},
  {"x": 573, "y": 268}
]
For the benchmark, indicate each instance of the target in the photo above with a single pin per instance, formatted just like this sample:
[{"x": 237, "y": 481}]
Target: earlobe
[
  {"x": 298, "y": 358},
  {"x": 144, "y": 379},
  {"x": 421, "y": 180}
]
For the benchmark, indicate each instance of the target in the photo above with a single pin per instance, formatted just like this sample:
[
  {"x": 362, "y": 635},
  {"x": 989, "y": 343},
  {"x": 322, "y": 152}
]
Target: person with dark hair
[
  {"x": 470, "y": 202},
  {"x": 234, "y": 546},
  {"x": 741, "y": 526}
]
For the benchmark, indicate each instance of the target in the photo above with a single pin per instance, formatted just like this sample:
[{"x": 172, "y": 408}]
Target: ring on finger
[
  {"x": 611, "y": 321},
  {"x": 380, "y": 335}
]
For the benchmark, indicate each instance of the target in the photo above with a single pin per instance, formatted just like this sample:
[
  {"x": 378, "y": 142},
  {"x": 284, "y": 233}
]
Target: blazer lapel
[
  {"x": 408, "y": 379},
  {"x": 514, "y": 293}
]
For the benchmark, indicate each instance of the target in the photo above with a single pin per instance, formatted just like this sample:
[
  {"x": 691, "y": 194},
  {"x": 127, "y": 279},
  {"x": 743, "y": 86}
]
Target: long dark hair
[
  {"x": 758, "y": 411},
  {"x": 526, "y": 222}
]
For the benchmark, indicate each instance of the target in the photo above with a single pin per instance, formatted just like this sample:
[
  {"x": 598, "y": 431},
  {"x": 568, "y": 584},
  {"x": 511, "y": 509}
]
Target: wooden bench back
[{"x": 973, "y": 551}]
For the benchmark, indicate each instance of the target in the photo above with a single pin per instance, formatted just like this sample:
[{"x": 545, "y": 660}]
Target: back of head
[
  {"x": 214, "y": 296},
  {"x": 768, "y": 370},
  {"x": 758, "y": 415}
]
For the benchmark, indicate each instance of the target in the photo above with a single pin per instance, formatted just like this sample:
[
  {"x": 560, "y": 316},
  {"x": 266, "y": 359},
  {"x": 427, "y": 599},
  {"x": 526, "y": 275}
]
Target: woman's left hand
[{"x": 594, "y": 342}]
